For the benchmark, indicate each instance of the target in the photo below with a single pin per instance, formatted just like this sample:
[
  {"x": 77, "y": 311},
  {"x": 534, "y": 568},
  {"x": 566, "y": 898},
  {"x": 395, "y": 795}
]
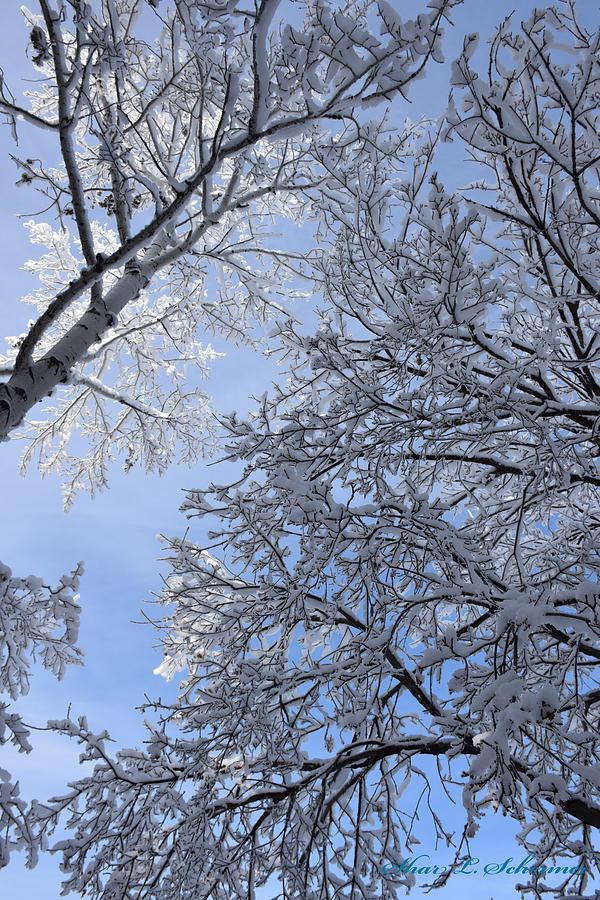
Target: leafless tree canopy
[
  {"x": 397, "y": 597},
  {"x": 181, "y": 133}
]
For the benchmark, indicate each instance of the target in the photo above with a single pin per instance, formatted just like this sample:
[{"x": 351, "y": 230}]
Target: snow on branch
[
  {"x": 180, "y": 139},
  {"x": 38, "y": 623}
]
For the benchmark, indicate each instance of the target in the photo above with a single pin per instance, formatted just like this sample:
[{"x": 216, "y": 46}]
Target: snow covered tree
[
  {"x": 42, "y": 623},
  {"x": 164, "y": 142},
  {"x": 180, "y": 133},
  {"x": 399, "y": 595}
]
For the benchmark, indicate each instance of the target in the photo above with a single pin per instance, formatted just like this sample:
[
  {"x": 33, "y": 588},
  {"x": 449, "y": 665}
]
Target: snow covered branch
[
  {"x": 37, "y": 623},
  {"x": 190, "y": 130}
]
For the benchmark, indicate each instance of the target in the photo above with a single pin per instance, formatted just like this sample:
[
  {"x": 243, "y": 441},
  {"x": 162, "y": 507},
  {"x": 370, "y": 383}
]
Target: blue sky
[{"x": 116, "y": 533}]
